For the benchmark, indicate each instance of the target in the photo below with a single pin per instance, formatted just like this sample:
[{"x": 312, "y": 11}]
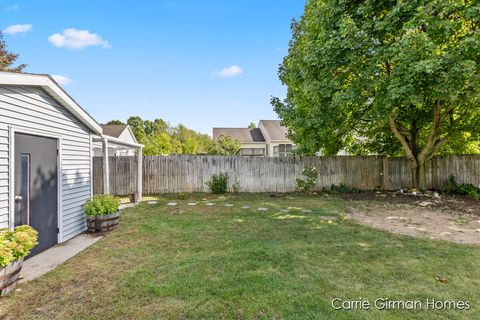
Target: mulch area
[{"x": 446, "y": 202}]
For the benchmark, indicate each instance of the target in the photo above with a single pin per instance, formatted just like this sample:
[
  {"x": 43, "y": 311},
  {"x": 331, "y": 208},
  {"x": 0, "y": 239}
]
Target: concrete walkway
[{"x": 50, "y": 258}]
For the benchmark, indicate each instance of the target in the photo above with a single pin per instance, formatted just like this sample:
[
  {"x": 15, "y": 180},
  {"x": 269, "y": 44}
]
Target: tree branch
[
  {"x": 403, "y": 141},
  {"x": 432, "y": 135},
  {"x": 439, "y": 144}
]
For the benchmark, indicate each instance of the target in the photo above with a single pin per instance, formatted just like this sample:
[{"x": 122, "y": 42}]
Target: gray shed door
[{"x": 36, "y": 185}]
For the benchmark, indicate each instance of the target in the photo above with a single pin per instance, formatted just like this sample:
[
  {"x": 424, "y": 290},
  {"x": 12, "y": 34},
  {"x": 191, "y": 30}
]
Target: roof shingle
[
  {"x": 274, "y": 129},
  {"x": 244, "y": 135}
]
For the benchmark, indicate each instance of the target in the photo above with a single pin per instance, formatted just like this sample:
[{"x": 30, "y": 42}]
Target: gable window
[
  {"x": 252, "y": 152},
  {"x": 283, "y": 150}
]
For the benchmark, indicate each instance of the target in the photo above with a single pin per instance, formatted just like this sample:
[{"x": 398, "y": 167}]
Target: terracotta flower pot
[
  {"x": 9, "y": 276},
  {"x": 103, "y": 223}
]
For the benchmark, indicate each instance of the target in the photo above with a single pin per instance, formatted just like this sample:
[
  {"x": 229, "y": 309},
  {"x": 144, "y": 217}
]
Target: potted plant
[
  {"x": 15, "y": 245},
  {"x": 102, "y": 213}
]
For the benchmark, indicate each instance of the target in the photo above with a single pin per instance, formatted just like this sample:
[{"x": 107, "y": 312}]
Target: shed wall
[{"x": 32, "y": 108}]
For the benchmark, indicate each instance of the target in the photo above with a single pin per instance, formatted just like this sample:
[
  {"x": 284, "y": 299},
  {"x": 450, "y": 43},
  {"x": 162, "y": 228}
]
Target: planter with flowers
[
  {"x": 102, "y": 213},
  {"x": 14, "y": 247}
]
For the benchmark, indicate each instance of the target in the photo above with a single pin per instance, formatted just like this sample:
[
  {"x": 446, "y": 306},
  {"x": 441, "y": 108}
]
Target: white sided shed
[{"x": 45, "y": 158}]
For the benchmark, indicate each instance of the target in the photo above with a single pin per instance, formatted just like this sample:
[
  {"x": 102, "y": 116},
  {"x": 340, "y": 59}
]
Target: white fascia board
[
  {"x": 122, "y": 143},
  {"x": 52, "y": 88}
]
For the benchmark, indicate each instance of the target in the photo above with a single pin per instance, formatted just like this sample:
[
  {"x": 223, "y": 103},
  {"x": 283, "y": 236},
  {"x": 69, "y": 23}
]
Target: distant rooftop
[
  {"x": 244, "y": 135},
  {"x": 274, "y": 129}
]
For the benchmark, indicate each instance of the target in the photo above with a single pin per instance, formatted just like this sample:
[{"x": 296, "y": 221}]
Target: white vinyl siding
[
  {"x": 32, "y": 108},
  {"x": 3, "y": 176}
]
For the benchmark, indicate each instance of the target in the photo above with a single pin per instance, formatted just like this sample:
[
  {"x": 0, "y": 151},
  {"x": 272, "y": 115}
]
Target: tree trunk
[
  {"x": 414, "y": 173},
  {"x": 422, "y": 177},
  {"x": 419, "y": 179}
]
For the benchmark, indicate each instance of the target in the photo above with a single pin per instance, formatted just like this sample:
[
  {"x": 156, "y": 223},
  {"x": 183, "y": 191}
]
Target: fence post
[{"x": 385, "y": 174}]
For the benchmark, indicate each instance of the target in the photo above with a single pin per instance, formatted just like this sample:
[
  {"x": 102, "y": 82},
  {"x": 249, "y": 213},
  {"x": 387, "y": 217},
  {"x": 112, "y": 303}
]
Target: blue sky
[{"x": 200, "y": 63}]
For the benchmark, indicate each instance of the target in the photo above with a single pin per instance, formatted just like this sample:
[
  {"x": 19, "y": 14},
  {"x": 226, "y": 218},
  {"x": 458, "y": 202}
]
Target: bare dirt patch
[{"x": 450, "y": 218}]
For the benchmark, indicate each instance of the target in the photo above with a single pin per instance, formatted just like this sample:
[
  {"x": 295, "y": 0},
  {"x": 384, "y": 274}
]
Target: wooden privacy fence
[{"x": 190, "y": 173}]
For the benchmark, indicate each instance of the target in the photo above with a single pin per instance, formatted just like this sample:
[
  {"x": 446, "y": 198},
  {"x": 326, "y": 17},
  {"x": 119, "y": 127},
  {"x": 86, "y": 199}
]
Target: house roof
[
  {"x": 53, "y": 89},
  {"x": 244, "y": 135},
  {"x": 113, "y": 130},
  {"x": 274, "y": 129}
]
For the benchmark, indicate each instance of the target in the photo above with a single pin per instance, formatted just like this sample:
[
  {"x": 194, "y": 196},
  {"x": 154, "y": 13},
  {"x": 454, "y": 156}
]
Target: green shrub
[
  {"x": 182, "y": 196},
  {"x": 342, "y": 188},
  {"x": 102, "y": 204},
  {"x": 307, "y": 184},
  {"x": 16, "y": 244},
  {"x": 469, "y": 190},
  {"x": 218, "y": 183}
]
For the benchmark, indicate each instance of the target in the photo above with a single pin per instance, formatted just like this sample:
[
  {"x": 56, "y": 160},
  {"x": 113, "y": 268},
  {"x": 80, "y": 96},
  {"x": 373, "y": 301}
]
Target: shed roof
[
  {"x": 244, "y": 135},
  {"x": 53, "y": 89},
  {"x": 275, "y": 130}
]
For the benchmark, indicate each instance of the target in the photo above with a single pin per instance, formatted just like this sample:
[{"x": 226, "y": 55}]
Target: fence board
[{"x": 190, "y": 173}]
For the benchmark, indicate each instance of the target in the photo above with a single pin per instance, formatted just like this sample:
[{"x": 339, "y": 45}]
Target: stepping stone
[
  {"x": 262, "y": 209},
  {"x": 192, "y": 203},
  {"x": 245, "y": 207},
  {"x": 284, "y": 210},
  {"x": 327, "y": 218},
  {"x": 210, "y": 204},
  {"x": 228, "y": 205},
  {"x": 171, "y": 204},
  {"x": 306, "y": 210},
  {"x": 152, "y": 202}
]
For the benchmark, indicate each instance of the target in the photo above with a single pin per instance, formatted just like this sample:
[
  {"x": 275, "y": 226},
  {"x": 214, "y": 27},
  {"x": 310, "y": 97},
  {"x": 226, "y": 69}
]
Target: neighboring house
[
  {"x": 46, "y": 142},
  {"x": 278, "y": 144},
  {"x": 269, "y": 139},
  {"x": 122, "y": 132},
  {"x": 252, "y": 140}
]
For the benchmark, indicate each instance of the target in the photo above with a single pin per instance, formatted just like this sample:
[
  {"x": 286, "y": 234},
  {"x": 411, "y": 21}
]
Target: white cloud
[
  {"x": 61, "y": 80},
  {"x": 77, "y": 39},
  {"x": 17, "y": 28},
  {"x": 231, "y": 71},
  {"x": 13, "y": 7}
]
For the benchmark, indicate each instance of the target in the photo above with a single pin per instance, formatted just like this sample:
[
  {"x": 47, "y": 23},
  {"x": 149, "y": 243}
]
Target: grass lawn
[{"x": 217, "y": 262}]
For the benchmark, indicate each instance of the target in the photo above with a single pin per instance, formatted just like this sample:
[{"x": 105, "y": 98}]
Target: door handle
[{"x": 18, "y": 198}]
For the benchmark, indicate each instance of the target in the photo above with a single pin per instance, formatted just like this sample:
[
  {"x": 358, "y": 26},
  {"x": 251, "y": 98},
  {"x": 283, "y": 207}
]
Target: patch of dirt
[
  {"x": 451, "y": 203},
  {"x": 450, "y": 218}
]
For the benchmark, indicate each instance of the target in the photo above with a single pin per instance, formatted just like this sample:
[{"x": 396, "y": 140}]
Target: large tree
[
  {"x": 384, "y": 77},
  {"x": 7, "y": 58},
  {"x": 160, "y": 138},
  {"x": 224, "y": 146}
]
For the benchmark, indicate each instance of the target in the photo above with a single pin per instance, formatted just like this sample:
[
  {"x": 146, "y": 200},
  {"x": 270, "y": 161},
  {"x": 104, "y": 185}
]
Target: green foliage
[
  {"x": 160, "y": 138},
  {"x": 252, "y": 125},
  {"x": 224, "y": 145},
  {"x": 384, "y": 77},
  {"x": 342, "y": 188},
  {"x": 218, "y": 184},
  {"x": 115, "y": 122},
  {"x": 469, "y": 190},
  {"x": 7, "y": 59},
  {"x": 16, "y": 244},
  {"x": 466, "y": 189},
  {"x": 182, "y": 196},
  {"x": 307, "y": 184},
  {"x": 101, "y": 204}
]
